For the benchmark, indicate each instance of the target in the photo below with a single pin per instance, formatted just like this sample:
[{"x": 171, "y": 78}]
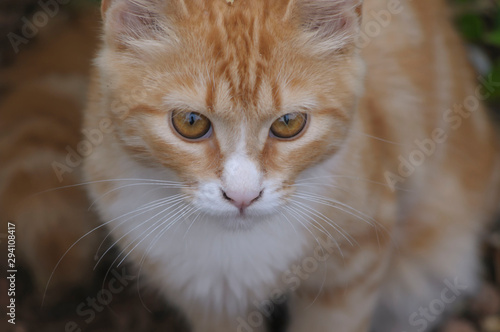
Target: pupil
[
  {"x": 286, "y": 119},
  {"x": 192, "y": 118}
]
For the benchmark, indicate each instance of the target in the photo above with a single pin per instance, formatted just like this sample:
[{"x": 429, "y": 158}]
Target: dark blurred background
[{"x": 479, "y": 23}]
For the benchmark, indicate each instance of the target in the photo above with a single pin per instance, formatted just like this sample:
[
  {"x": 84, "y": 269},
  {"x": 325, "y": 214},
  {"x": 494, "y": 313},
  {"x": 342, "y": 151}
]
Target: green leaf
[
  {"x": 495, "y": 77},
  {"x": 471, "y": 26},
  {"x": 493, "y": 38}
]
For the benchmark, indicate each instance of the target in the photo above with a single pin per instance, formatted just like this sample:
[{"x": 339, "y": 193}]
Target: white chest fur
[{"x": 196, "y": 261}]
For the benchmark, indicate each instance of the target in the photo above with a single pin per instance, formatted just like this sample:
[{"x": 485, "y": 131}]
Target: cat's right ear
[{"x": 330, "y": 24}]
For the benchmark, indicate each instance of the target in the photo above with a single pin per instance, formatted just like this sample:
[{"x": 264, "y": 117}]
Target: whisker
[
  {"x": 64, "y": 255},
  {"x": 329, "y": 202},
  {"x": 376, "y": 138},
  {"x": 137, "y": 184},
  {"x": 286, "y": 218},
  {"x": 351, "y": 177},
  {"x": 315, "y": 185},
  {"x": 297, "y": 213},
  {"x": 192, "y": 222},
  {"x": 186, "y": 206},
  {"x": 375, "y": 224},
  {"x": 304, "y": 213},
  {"x": 143, "y": 259},
  {"x": 165, "y": 228},
  {"x": 145, "y": 207},
  {"x": 175, "y": 202},
  {"x": 342, "y": 206},
  {"x": 336, "y": 227},
  {"x": 183, "y": 215},
  {"x": 101, "y": 181},
  {"x": 160, "y": 221}
]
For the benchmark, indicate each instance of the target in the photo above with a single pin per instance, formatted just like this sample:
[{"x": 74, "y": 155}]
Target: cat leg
[
  {"x": 434, "y": 268},
  {"x": 238, "y": 324},
  {"x": 321, "y": 306},
  {"x": 342, "y": 311}
]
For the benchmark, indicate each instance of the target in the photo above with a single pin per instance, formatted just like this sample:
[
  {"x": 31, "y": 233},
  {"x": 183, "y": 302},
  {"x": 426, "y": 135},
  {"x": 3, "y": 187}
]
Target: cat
[
  {"x": 330, "y": 156},
  {"x": 268, "y": 148}
]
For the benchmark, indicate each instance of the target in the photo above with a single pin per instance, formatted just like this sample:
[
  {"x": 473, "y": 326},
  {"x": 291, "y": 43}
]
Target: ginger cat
[
  {"x": 332, "y": 157},
  {"x": 331, "y": 151}
]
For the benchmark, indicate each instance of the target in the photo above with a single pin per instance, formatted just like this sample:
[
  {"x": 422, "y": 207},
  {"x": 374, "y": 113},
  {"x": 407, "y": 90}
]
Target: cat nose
[{"x": 242, "y": 198}]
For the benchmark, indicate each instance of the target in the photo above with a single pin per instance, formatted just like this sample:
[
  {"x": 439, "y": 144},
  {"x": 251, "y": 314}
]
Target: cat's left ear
[
  {"x": 136, "y": 25},
  {"x": 330, "y": 24},
  {"x": 104, "y": 7}
]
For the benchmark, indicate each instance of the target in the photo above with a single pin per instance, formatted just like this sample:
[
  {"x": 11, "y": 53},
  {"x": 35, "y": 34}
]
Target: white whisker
[
  {"x": 320, "y": 215},
  {"x": 286, "y": 218},
  {"x": 142, "y": 209},
  {"x": 184, "y": 207},
  {"x": 341, "y": 206},
  {"x": 349, "y": 177},
  {"x": 296, "y": 213},
  {"x": 163, "y": 185},
  {"x": 102, "y": 181},
  {"x": 175, "y": 203},
  {"x": 192, "y": 222},
  {"x": 159, "y": 222}
]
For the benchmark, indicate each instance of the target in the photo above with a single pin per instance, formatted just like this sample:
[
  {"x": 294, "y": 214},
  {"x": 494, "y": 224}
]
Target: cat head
[{"x": 238, "y": 99}]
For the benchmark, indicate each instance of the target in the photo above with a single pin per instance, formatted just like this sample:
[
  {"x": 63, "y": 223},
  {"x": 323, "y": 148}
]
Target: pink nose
[{"x": 241, "y": 199}]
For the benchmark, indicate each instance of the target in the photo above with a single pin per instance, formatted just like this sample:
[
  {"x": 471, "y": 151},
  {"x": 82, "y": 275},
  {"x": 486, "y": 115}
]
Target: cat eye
[
  {"x": 289, "y": 125},
  {"x": 191, "y": 125}
]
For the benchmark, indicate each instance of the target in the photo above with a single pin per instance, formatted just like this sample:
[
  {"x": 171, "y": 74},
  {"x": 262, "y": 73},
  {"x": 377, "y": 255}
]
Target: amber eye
[
  {"x": 289, "y": 125},
  {"x": 190, "y": 125}
]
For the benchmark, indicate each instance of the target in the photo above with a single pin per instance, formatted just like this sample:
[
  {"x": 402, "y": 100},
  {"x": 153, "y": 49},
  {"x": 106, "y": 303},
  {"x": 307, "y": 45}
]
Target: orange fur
[{"x": 253, "y": 61}]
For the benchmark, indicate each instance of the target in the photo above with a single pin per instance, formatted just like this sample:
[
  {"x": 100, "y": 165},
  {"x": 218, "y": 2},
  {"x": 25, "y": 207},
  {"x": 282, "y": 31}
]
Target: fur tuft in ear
[
  {"x": 136, "y": 24},
  {"x": 332, "y": 23}
]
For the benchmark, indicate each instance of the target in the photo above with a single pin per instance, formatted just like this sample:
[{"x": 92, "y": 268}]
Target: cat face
[{"x": 238, "y": 99}]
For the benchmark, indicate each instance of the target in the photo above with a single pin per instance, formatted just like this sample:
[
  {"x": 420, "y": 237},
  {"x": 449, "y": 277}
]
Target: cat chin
[{"x": 240, "y": 222}]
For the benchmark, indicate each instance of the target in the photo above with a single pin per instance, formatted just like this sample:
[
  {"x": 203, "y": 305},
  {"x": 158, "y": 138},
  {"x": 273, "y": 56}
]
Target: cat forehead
[
  {"x": 231, "y": 53},
  {"x": 223, "y": 58},
  {"x": 216, "y": 97}
]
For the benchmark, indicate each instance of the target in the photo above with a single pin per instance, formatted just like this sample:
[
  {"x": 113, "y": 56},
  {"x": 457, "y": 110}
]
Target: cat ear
[
  {"x": 135, "y": 23},
  {"x": 104, "y": 7},
  {"x": 331, "y": 24}
]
